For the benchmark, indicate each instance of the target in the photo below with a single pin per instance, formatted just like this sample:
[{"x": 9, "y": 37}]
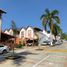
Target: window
[
  {"x": 29, "y": 33},
  {"x": 22, "y": 34}
]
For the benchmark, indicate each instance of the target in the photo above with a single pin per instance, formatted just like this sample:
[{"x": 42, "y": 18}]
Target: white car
[{"x": 4, "y": 49}]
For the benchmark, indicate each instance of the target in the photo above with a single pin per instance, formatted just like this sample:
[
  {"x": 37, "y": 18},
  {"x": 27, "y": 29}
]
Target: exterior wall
[
  {"x": 22, "y": 33},
  {"x": 30, "y": 33},
  {"x": 6, "y": 31},
  {"x": 11, "y": 32},
  {"x": 18, "y": 40}
]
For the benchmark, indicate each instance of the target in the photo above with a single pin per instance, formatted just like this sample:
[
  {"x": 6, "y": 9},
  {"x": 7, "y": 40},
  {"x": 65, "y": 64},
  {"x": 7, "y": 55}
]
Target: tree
[
  {"x": 64, "y": 36},
  {"x": 56, "y": 30},
  {"x": 15, "y": 32},
  {"x": 51, "y": 19},
  {"x": 14, "y": 28}
]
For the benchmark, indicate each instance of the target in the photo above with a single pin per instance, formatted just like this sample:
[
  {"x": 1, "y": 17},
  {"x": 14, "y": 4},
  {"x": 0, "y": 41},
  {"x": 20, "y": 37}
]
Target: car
[
  {"x": 29, "y": 42},
  {"x": 4, "y": 49},
  {"x": 58, "y": 42}
]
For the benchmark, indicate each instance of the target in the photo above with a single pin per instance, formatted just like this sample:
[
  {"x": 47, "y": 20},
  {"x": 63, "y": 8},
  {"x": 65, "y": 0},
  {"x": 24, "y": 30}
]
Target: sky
[{"x": 28, "y": 12}]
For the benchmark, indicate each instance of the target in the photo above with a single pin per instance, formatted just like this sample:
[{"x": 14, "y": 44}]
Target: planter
[{"x": 13, "y": 57}]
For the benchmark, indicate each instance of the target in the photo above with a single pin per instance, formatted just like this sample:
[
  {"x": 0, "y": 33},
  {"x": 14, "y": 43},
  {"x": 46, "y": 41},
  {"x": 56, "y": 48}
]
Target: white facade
[
  {"x": 27, "y": 33},
  {"x": 30, "y": 33},
  {"x": 22, "y": 33},
  {"x": 11, "y": 32},
  {"x": 6, "y": 31}
]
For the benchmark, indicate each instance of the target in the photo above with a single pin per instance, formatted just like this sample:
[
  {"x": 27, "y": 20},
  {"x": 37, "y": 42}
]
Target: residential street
[{"x": 33, "y": 57}]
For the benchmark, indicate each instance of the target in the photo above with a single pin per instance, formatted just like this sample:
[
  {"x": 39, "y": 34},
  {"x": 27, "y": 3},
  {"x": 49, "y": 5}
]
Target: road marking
[
  {"x": 56, "y": 50},
  {"x": 40, "y": 61}
]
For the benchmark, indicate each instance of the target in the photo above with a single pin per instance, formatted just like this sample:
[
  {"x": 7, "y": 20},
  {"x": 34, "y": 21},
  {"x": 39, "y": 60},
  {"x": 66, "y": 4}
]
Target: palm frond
[
  {"x": 57, "y": 28},
  {"x": 44, "y": 15},
  {"x": 47, "y": 11},
  {"x": 55, "y": 12},
  {"x": 57, "y": 19}
]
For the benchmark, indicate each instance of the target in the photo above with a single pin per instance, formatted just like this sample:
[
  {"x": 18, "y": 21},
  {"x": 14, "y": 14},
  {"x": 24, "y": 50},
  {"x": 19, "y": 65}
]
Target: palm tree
[
  {"x": 50, "y": 19},
  {"x": 56, "y": 30}
]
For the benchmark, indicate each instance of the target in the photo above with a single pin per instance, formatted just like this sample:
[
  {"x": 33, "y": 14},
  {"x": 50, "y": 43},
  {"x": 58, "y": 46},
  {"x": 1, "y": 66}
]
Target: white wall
[
  {"x": 20, "y": 34},
  {"x": 32, "y": 32},
  {"x": 6, "y": 31},
  {"x": 11, "y": 32}
]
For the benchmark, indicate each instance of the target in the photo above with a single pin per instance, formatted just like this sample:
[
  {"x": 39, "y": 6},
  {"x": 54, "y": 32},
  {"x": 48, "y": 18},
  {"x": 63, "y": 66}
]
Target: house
[
  {"x": 23, "y": 35},
  {"x": 10, "y": 31},
  {"x": 29, "y": 32},
  {"x": 26, "y": 34},
  {"x": 7, "y": 39},
  {"x": 6, "y": 31}
]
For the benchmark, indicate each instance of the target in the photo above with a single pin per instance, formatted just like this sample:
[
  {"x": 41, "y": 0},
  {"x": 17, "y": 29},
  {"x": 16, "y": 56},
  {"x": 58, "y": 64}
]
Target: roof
[
  {"x": 1, "y": 11},
  {"x": 5, "y": 37},
  {"x": 37, "y": 29},
  {"x": 18, "y": 30}
]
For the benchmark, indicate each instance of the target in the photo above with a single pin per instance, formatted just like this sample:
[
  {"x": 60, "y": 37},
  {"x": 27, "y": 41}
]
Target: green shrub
[{"x": 20, "y": 46}]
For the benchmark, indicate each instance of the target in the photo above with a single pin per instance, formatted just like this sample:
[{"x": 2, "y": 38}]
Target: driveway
[{"x": 33, "y": 57}]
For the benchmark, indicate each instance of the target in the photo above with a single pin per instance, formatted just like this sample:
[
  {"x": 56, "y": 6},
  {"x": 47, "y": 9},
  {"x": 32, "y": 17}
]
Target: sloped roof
[{"x": 37, "y": 29}]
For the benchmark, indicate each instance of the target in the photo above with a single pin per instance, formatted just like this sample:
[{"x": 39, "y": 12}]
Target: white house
[
  {"x": 29, "y": 32},
  {"x": 6, "y": 31},
  {"x": 22, "y": 33},
  {"x": 10, "y": 31}
]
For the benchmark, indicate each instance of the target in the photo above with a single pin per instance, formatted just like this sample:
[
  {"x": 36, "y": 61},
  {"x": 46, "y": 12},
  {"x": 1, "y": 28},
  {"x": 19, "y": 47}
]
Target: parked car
[
  {"x": 4, "y": 49},
  {"x": 58, "y": 42},
  {"x": 29, "y": 42}
]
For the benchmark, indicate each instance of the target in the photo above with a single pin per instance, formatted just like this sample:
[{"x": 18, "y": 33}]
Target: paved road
[{"x": 32, "y": 57}]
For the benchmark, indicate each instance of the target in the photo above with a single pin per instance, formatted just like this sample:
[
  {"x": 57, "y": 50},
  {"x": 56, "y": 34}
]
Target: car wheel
[{"x": 4, "y": 51}]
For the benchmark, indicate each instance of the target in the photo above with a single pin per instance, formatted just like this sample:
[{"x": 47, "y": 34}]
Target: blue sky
[{"x": 28, "y": 12}]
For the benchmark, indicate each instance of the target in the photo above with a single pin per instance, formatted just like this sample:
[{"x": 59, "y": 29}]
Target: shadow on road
[
  {"x": 21, "y": 60},
  {"x": 18, "y": 61},
  {"x": 2, "y": 58}
]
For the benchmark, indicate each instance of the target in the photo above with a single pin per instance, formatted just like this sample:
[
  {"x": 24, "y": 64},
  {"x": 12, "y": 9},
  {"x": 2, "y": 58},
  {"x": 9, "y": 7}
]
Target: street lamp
[{"x": 1, "y": 12}]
